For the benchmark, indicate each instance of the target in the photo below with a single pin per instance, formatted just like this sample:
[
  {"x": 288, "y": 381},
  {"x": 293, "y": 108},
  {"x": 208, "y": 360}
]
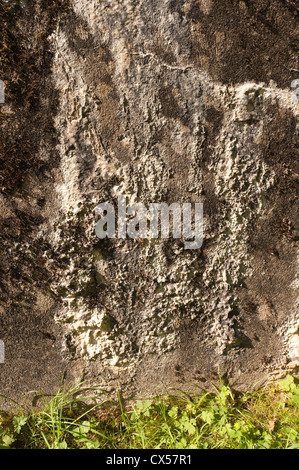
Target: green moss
[
  {"x": 250, "y": 106},
  {"x": 108, "y": 323},
  {"x": 97, "y": 254},
  {"x": 159, "y": 289},
  {"x": 255, "y": 92},
  {"x": 240, "y": 341},
  {"x": 250, "y": 121},
  {"x": 101, "y": 281}
]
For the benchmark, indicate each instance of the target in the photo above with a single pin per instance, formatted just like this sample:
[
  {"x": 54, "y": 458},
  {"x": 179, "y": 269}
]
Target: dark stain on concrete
[{"x": 241, "y": 40}]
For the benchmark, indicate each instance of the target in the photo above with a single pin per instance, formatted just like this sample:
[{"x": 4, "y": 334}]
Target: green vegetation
[{"x": 263, "y": 419}]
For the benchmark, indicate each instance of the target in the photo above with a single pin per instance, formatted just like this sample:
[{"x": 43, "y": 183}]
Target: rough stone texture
[{"x": 164, "y": 101}]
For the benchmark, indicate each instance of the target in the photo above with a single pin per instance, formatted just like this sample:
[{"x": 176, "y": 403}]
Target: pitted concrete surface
[{"x": 169, "y": 101}]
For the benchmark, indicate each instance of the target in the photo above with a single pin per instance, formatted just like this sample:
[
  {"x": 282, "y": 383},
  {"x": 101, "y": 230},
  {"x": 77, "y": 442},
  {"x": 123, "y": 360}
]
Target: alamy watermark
[
  {"x": 2, "y": 92},
  {"x": 2, "y": 352},
  {"x": 137, "y": 221},
  {"x": 295, "y": 93}
]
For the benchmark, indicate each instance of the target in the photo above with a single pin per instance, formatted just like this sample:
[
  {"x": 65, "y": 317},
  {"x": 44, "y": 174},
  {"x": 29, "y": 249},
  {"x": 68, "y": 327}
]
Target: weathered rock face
[{"x": 169, "y": 101}]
